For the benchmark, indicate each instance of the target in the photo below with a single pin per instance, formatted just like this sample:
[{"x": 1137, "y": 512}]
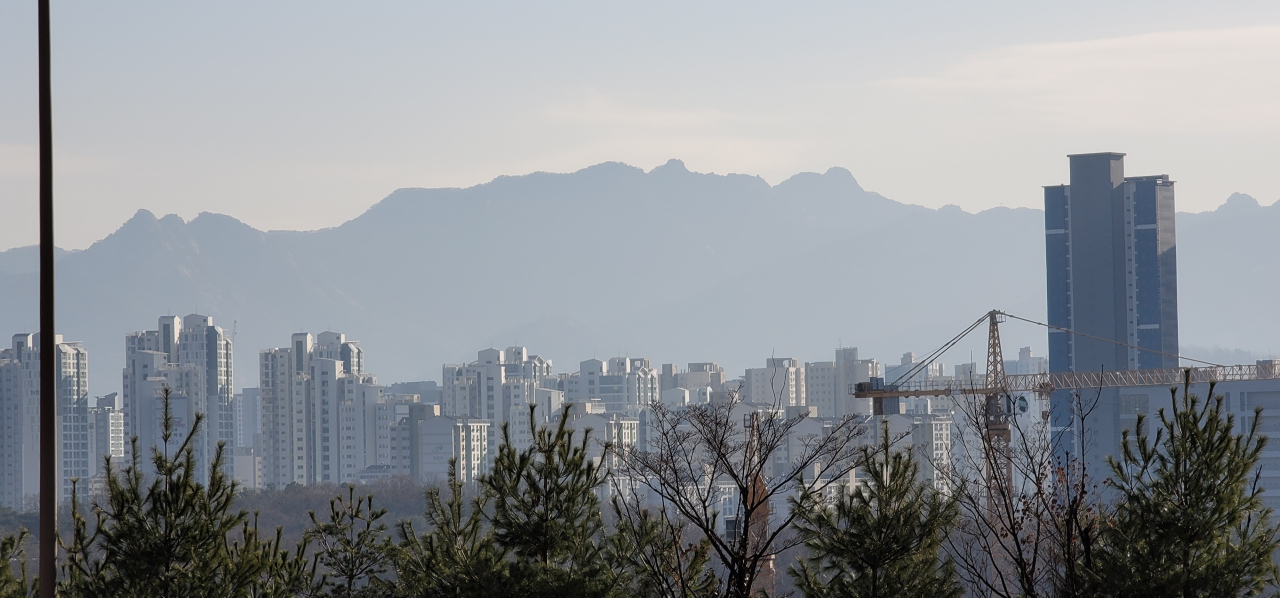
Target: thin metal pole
[{"x": 48, "y": 346}]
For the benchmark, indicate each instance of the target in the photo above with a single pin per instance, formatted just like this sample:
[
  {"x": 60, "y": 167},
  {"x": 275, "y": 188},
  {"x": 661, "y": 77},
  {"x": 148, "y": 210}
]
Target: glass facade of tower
[{"x": 1110, "y": 253}]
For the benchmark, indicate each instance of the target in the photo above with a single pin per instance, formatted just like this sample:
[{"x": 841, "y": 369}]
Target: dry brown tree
[
  {"x": 1029, "y": 509},
  {"x": 727, "y": 467}
]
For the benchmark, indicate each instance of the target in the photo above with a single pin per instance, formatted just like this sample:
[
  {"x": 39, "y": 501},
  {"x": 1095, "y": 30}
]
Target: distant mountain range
[{"x": 611, "y": 260}]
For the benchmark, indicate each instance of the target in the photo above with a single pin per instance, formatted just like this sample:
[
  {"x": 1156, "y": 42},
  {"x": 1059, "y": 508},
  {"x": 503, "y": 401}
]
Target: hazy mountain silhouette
[
  {"x": 27, "y": 259},
  {"x": 669, "y": 264}
]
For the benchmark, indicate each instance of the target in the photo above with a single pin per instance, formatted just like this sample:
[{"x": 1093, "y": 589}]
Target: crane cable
[
  {"x": 1098, "y": 338},
  {"x": 919, "y": 365}
]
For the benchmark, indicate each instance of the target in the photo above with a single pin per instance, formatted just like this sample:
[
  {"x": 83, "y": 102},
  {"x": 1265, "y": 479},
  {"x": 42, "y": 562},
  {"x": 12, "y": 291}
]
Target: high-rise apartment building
[
  {"x": 246, "y": 409},
  {"x": 829, "y": 384},
  {"x": 622, "y": 384},
  {"x": 898, "y": 373},
  {"x": 20, "y": 418},
  {"x": 698, "y": 376},
  {"x": 820, "y": 387},
  {"x": 193, "y": 359},
  {"x": 1111, "y": 261},
  {"x": 465, "y": 440},
  {"x": 318, "y": 411},
  {"x": 499, "y": 387},
  {"x": 612, "y": 429},
  {"x": 1026, "y": 364},
  {"x": 106, "y": 433},
  {"x": 483, "y": 388},
  {"x": 1112, "y": 267},
  {"x": 781, "y": 383}
]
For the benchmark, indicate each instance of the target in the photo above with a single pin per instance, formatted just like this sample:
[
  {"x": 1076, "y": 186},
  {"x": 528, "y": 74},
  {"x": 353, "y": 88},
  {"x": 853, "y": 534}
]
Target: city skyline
[
  {"x": 694, "y": 242},
  {"x": 636, "y": 278}
]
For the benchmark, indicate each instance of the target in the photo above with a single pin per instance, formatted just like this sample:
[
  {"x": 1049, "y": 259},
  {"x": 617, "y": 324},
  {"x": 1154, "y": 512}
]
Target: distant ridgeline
[{"x": 668, "y": 264}]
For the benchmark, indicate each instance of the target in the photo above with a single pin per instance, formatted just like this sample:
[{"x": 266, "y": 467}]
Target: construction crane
[
  {"x": 999, "y": 388},
  {"x": 997, "y": 383}
]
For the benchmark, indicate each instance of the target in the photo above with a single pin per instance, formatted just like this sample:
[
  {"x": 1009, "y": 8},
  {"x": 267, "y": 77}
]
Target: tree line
[{"x": 728, "y": 500}]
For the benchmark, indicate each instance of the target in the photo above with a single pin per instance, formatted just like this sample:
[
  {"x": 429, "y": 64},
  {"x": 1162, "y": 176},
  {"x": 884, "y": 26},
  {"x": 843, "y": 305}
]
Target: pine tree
[
  {"x": 457, "y": 557},
  {"x": 880, "y": 540},
  {"x": 546, "y": 513},
  {"x": 353, "y": 546},
  {"x": 658, "y": 561},
  {"x": 14, "y": 584},
  {"x": 176, "y": 537},
  {"x": 1189, "y": 519}
]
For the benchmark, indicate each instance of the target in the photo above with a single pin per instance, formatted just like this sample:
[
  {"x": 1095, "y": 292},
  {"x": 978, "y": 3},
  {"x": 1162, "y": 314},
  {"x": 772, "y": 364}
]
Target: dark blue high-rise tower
[{"x": 1112, "y": 273}]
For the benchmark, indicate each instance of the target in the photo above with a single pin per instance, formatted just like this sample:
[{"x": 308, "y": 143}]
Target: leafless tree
[
  {"x": 1075, "y": 505},
  {"x": 1029, "y": 510},
  {"x": 727, "y": 467}
]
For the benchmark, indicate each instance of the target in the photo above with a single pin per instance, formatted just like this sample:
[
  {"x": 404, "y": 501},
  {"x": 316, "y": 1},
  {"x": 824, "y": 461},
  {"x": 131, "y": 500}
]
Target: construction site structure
[
  {"x": 996, "y": 382},
  {"x": 997, "y": 391}
]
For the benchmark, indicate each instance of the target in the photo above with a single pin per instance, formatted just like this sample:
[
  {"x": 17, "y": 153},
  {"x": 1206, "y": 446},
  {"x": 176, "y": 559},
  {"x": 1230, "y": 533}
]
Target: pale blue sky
[{"x": 300, "y": 115}]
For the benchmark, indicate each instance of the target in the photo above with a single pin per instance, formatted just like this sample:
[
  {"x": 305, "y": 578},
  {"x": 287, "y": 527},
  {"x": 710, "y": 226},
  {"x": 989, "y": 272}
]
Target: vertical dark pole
[{"x": 48, "y": 346}]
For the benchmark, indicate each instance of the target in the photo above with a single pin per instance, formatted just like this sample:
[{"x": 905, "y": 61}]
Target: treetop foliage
[
  {"x": 1186, "y": 520},
  {"x": 1189, "y": 520},
  {"x": 882, "y": 539}
]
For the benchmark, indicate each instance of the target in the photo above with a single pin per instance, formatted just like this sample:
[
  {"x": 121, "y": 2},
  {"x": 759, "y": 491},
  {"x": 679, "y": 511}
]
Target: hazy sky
[{"x": 300, "y": 115}]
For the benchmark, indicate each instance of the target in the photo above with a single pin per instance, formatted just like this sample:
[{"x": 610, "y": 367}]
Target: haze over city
[{"x": 724, "y": 300}]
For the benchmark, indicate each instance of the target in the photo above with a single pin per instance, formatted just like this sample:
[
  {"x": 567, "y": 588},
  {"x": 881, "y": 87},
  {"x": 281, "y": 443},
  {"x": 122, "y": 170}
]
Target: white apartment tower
[
  {"x": 106, "y": 433},
  {"x": 20, "y": 418},
  {"x": 820, "y": 387},
  {"x": 898, "y": 373},
  {"x": 193, "y": 359},
  {"x": 246, "y": 410},
  {"x": 781, "y": 382},
  {"x": 316, "y": 399},
  {"x": 484, "y": 387},
  {"x": 1026, "y": 364},
  {"x": 829, "y": 384},
  {"x": 699, "y": 375},
  {"x": 499, "y": 387},
  {"x": 622, "y": 384},
  {"x": 441, "y": 438}
]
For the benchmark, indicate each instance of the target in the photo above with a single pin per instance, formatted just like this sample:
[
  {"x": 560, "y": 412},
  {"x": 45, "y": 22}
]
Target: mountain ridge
[{"x": 669, "y": 264}]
